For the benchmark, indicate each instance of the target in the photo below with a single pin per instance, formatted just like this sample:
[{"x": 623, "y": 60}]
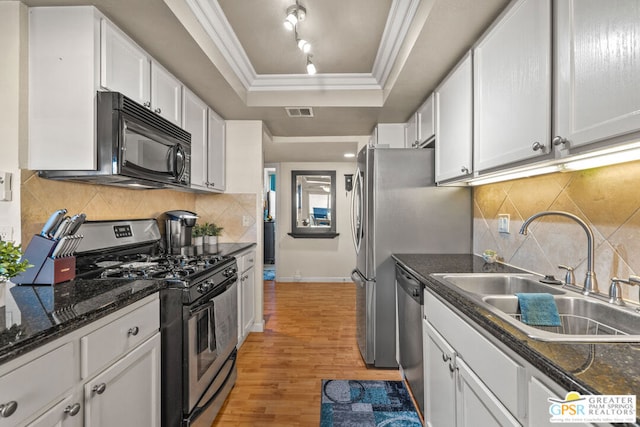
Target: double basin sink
[{"x": 584, "y": 319}]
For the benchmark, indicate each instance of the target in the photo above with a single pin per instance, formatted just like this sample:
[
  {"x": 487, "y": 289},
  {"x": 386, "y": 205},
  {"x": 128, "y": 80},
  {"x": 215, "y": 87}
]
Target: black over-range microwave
[{"x": 136, "y": 148}]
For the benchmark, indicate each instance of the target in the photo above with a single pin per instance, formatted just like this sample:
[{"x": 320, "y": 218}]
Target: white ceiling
[{"x": 377, "y": 60}]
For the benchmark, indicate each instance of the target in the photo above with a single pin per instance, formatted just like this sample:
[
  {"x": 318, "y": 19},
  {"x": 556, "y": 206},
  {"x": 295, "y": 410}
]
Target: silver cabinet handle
[
  {"x": 99, "y": 388},
  {"x": 558, "y": 140},
  {"x": 445, "y": 357},
  {"x": 157, "y": 110},
  {"x": 451, "y": 367},
  {"x": 72, "y": 410},
  {"x": 133, "y": 331},
  {"x": 147, "y": 104},
  {"x": 537, "y": 146},
  {"x": 464, "y": 169},
  {"x": 7, "y": 409}
]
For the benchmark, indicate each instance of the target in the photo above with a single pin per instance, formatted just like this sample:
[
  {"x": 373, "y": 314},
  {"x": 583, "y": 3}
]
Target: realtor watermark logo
[{"x": 593, "y": 408}]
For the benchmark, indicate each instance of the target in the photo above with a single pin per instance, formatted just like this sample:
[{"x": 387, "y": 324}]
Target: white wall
[
  {"x": 13, "y": 90},
  {"x": 314, "y": 260},
  {"x": 244, "y": 175}
]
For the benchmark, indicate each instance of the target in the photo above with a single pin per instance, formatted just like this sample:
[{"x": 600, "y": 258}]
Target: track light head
[
  {"x": 311, "y": 69},
  {"x": 295, "y": 14}
]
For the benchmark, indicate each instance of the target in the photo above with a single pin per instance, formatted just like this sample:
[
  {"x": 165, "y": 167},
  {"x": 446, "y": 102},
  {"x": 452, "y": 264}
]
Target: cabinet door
[
  {"x": 427, "y": 120},
  {"x": 512, "y": 87},
  {"x": 476, "y": 405},
  {"x": 539, "y": 404},
  {"x": 195, "y": 122},
  {"x": 439, "y": 374},
  {"x": 454, "y": 120},
  {"x": 597, "y": 69},
  {"x": 66, "y": 413},
  {"x": 124, "y": 66},
  {"x": 411, "y": 136},
  {"x": 216, "y": 153},
  {"x": 248, "y": 297},
  {"x": 166, "y": 94},
  {"x": 128, "y": 392}
]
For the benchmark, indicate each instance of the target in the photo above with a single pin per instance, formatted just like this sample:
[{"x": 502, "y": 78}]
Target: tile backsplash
[
  {"x": 40, "y": 197},
  {"x": 606, "y": 198}
]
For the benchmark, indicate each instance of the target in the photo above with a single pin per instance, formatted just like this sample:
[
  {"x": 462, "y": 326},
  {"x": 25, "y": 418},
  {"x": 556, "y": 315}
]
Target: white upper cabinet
[
  {"x": 195, "y": 122},
  {"x": 597, "y": 48},
  {"x": 421, "y": 126},
  {"x": 411, "y": 132},
  {"x": 512, "y": 87},
  {"x": 166, "y": 94},
  {"x": 427, "y": 120},
  {"x": 64, "y": 65},
  {"x": 389, "y": 134},
  {"x": 126, "y": 68},
  {"x": 216, "y": 155},
  {"x": 454, "y": 123}
]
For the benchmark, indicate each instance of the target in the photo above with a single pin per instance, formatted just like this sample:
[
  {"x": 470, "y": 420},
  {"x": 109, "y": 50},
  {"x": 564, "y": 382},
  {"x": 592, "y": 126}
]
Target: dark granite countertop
[
  {"x": 615, "y": 369},
  {"x": 31, "y": 316}
]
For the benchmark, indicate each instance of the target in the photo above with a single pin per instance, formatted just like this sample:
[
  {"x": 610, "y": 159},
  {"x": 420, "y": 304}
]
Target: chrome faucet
[
  {"x": 615, "y": 293},
  {"x": 590, "y": 281}
]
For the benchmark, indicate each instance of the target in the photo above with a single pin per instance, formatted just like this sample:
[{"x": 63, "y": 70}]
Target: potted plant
[
  {"x": 197, "y": 235},
  {"x": 211, "y": 233},
  {"x": 11, "y": 262}
]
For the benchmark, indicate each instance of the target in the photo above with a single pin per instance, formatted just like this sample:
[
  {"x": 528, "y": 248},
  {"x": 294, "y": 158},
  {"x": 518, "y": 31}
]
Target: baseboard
[
  {"x": 315, "y": 279},
  {"x": 258, "y": 326}
]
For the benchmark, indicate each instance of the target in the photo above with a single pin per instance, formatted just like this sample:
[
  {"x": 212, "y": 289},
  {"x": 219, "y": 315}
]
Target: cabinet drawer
[
  {"x": 38, "y": 383},
  {"x": 106, "y": 344},
  {"x": 248, "y": 260},
  {"x": 503, "y": 375}
]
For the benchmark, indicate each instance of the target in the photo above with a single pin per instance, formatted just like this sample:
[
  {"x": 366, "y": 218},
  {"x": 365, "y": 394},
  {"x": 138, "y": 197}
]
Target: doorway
[{"x": 269, "y": 217}]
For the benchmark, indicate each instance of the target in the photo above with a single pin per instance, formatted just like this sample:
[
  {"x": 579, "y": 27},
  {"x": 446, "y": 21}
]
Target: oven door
[
  {"x": 212, "y": 335},
  {"x": 149, "y": 154}
]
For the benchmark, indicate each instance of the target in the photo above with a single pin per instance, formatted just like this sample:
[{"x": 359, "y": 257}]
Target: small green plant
[
  {"x": 211, "y": 229},
  {"x": 10, "y": 260},
  {"x": 198, "y": 230}
]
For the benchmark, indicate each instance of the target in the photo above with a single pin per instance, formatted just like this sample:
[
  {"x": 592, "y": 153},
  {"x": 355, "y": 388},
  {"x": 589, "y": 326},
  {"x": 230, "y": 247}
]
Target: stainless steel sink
[
  {"x": 583, "y": 320},
  {"x": 499, "y": 284}
]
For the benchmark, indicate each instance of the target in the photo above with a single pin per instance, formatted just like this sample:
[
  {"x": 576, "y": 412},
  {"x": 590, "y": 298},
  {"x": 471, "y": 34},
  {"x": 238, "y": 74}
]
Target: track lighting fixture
[{"x": 295, "y": 15}]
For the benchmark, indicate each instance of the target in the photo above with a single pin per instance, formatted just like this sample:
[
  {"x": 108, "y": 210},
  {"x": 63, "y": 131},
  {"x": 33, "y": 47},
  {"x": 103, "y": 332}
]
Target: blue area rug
[
  {"x": 269, "y": 275},
  {"x": 350, "y": 403}
]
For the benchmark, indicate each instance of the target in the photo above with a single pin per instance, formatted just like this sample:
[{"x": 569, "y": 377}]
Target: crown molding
[{"x": 227, "y": 54}]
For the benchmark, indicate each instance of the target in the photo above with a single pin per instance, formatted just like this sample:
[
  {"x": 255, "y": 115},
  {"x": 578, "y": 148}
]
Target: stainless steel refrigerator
[{"x": 396, "y": 208}]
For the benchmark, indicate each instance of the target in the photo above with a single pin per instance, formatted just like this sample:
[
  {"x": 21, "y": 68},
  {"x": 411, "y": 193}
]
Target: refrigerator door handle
[{"x": 356, "y": 211}]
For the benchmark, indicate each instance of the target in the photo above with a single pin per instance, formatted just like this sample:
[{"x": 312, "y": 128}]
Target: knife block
[{"x": 45, "y": 270}]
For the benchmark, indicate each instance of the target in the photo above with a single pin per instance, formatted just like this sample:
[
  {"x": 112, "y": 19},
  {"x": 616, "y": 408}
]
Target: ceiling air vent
[{"x": 299, "y": 111}]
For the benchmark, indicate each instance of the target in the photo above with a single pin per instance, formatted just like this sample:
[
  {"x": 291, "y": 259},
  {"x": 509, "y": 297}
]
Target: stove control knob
[
  {"x": 204, "y": 288},
  {"x": 229, "y": 272}
]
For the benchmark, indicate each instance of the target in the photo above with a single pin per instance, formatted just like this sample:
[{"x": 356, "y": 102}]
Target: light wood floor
[{"x": 310, "y": 335}]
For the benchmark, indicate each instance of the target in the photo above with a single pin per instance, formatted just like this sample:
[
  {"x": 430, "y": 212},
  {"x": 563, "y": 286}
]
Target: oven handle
[
  {"x": 207, "y": 299},
  {"x": 200, "y": 308}
]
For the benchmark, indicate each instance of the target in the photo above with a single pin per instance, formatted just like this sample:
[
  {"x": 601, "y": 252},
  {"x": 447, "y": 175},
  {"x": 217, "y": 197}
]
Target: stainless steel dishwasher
[{"x": 410, "y": 302}]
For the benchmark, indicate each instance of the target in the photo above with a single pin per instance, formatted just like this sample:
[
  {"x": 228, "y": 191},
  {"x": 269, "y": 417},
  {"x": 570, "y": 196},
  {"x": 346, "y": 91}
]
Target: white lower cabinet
[
  {"x": 128, "y": 392},
  {"x": 246, "y": 293},
  {"x": 67, "y": 383},
  {"x": 455, "y": 396},
  {"x": 473, "y": 380},
  {"x": 439, "y": 374},
  {"x": 476, "y": 405}
]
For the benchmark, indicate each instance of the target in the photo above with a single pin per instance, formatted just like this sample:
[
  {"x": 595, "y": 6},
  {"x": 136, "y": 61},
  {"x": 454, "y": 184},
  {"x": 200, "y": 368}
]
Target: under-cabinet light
[
  {"x": 607, "y": 157},
  {"x": 515, "y": 175}
]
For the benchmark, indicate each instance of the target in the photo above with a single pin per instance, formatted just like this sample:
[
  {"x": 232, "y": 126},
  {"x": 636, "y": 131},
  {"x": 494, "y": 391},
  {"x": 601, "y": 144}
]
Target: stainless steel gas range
[{"x": 198, "y": 312}]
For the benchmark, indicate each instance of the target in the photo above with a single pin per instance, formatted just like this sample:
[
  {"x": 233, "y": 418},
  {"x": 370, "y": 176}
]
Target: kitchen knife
[
  {"x": 75, "y": 223},
  {"x": 62, "y": 228},
  {"x": 52, "y": 223},
  {"x": 57, "y": 251}
]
